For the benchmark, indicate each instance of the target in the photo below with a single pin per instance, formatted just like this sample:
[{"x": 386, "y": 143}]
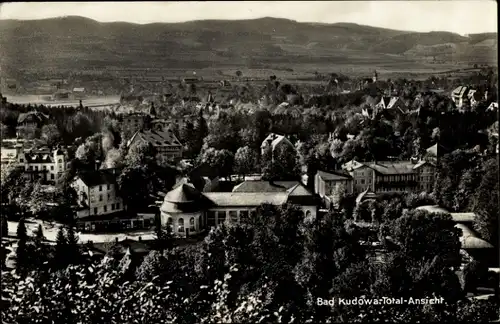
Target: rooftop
[
  {"x": 265, "y": 186},
  {"x": 157, "y": 138},
  {"x": 329, "y": 176},
  {"x": 246, "y": 199},
  {"x": 184, "y": 193},
  {"x": 99, "y": 177}
]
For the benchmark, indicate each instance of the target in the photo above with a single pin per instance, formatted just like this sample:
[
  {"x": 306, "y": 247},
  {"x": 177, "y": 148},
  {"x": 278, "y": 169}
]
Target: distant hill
[{"x": 72, "y": 43}]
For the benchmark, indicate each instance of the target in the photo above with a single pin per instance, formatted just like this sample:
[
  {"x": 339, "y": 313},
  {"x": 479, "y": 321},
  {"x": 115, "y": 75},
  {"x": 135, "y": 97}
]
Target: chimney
[
  {"x": 116, "y": 239},
  {"x": 140, "y": 238}
]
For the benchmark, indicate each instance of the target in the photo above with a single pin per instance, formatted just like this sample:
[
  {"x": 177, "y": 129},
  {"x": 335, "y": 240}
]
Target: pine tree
[
  {"x": 72, "y": 245},
  {"x": 5, "y": 226},
  {"x": 39, "y": 247},
  {"x": 60, "y": 260},
  {"x": 22, "y": 248}
]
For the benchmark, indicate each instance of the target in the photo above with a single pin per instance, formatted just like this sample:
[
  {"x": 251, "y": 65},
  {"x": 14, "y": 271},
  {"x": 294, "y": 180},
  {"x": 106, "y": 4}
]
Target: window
[
  {"x": 233, "y": 216},
  {"x": 191, "y": 224},
  {"x": 243, "y": 215},
  {"x": 211, "y": 218},
  {"x": 36, "y": 167},
  {"x": 45, "y": 167},
  {"x": 95, "y": 210},
  {"x": 181, "y": 225},
  {"x": 362, "y": 181},
  {"x": 109, "y": 186},
  {"x": 308, "y": 213},
  {"x": 21, "y": 160},
  {"x": 117, "y": 205},
  {"x": 100, "y": 197},
  {"x": 170, "y": 222},
  {"x": 52, "y": 176},
  {"x": 52, "y": 167},
  {"x": 105, "y": 208},
  {"x": 221, "y": 217},
  {"x": 100, "y": 188},
  {"x": 109, "y": 196},
  {"x": 59, "y": 161},
  {"x": 112, "y": 206}
]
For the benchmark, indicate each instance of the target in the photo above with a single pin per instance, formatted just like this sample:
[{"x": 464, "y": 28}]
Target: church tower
[{"x": 375, "y": 76}]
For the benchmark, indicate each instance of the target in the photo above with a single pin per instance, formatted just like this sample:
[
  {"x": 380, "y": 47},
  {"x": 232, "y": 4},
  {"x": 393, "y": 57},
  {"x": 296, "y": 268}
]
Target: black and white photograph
[{"x": 249, "y": 162}]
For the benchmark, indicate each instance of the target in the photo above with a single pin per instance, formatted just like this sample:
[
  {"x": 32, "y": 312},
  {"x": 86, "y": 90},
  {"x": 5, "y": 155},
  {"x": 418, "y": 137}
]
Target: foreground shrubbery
[{"x": 271, "y": 269}]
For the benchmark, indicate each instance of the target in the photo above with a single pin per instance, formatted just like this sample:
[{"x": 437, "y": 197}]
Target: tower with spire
[
  {"x": 375, "y": 76},
  {"x": 152, "y": 110}
]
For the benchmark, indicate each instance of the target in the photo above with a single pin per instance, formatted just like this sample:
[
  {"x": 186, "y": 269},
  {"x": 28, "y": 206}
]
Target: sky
[{"x": 458, "y": 16}]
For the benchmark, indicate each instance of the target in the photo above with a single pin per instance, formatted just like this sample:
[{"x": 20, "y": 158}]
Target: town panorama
[{"x": 247, "y": 170}]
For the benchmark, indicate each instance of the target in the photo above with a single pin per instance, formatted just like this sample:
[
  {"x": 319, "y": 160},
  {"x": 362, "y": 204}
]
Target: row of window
[
  {"x": 105, "y": 208},
  {"x": 180, "y": 224},
  {"x": 22, "y": 161},
  {"x": 124, "y": 224},
  {"x": 215, "y": 218},
  {"x": 44, "y": 167},
  {"x": 101, "y": 197},
  {"x": 108, "y": 187}
]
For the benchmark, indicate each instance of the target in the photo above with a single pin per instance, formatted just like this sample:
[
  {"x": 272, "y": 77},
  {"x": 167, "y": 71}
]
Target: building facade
[
  {"x": 390, "y": 177},
  {"x": 166, "y": 144},
  {"x": 188, "y": 211},
  {"x": 329, "y": 184},
  {"x": 97, "y": 193},
  {"x": 48, "y": 166}
]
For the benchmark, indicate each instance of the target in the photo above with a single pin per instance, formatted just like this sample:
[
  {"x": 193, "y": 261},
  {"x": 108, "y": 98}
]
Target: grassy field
[{"x": 89, "y": 102}]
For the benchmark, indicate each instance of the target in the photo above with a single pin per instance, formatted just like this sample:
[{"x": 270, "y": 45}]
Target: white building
[
  {"x": 46, "y": 165},
  {"x": 389, "y": 176},
  {"x": 97, "y": 193},
  {"x": 189, "y": 211}
]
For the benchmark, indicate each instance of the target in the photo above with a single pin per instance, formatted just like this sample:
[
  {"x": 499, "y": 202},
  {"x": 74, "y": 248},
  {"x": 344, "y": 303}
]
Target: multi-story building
[
  {"x": 388, "y": 176},
  {"x": 329, "y": 184},
  {"x": 166, "y": 144},
  {"x": 33, "y": 120},
  {"x": 188, "y": 211},
  {"x": 97, "y": 197},
  {"x": 134, "y": 122},
  {"x": 46, "y": 165}
]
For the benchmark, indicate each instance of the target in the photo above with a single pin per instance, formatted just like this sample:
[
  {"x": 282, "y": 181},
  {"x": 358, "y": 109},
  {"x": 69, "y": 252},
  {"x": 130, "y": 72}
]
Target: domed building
[
  {"x": 183, "y": 209},
  {"x": 188, "y": 211}
]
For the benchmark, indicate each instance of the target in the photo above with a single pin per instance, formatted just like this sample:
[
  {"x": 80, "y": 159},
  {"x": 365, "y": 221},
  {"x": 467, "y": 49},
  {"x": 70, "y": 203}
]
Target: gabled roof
[
  {"x": 246, "y": 199},
  {"x": 299, "y": 190},
  {"x": 329, "y": 176},
  {"x": 460, "y": 91},
  {"x": 157, "y": 138},
  {"x": 352, "y": 165},
  {"x": 99, "y": 177},
  {"x": 275, "y": 139},
  {"x": 36, "y": 116},
  {"x": 384, "y": 102},
  {"x": 37, "y": 157},
  {"x": 436, "y": 150},
  {"x": 265, "y": 186},
  {"x": 390, "y": 167}
]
